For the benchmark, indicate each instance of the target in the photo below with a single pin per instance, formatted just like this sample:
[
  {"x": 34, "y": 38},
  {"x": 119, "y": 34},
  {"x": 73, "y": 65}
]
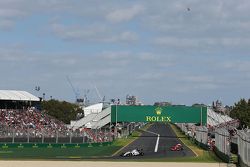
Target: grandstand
[
  {"x": 20, "y": 117},
  {"x": 13, "y": 99},
  {"x": 21, "y": 120},
  {"x": 95, "y": 116},
  {"x": 218, "y": 120}
]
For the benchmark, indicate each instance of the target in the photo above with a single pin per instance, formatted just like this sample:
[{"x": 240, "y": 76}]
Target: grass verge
[
  {"x": 123, "y": 142},
  {"x": 57, "y": 153},
  {"x": 202, "y": 155},
  {"x": 126, "y": 140}
]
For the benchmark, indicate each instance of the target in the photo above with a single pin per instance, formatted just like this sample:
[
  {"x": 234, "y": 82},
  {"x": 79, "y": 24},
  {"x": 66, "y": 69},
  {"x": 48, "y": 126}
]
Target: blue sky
[{"x": 156, "y": 50}]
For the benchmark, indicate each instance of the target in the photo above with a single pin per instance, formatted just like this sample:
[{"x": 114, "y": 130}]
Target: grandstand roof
[
  {"x": 214, "y": 118},
  {"x": 17, "y": 95}
]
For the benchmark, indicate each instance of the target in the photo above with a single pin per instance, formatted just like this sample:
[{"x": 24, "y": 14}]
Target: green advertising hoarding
[{"x": 174, "y": 114}]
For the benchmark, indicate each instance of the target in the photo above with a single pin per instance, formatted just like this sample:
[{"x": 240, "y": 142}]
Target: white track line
[{"x": 157, "y": 141}]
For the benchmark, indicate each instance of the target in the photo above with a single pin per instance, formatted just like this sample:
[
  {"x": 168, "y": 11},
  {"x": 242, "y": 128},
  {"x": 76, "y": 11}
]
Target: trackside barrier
[
  {"x": 201, "y": 137},
  {"x": 201, "y": 134},
  {"x": 222, "y": 144},
  {"x": 183, "y": 127},
  {"x": 197, "y": 135},
  {"x": 244, "y": 148},
  {"x": 221, "y": 155},
  {"x": 10, "y": 135},
  {"x": 36, "y": 145},
  {"x": 222, "y": 141}
]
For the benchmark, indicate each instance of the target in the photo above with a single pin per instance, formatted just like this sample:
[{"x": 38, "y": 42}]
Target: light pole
[
  {"x": 201, "y": 117},
  {"x": 116, "y": 135},
  {"x": 44, "y": 96}
]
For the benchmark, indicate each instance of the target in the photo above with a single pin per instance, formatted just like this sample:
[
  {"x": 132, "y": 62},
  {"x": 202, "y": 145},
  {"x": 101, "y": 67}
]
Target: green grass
[
  {"x": 123, "y": 141},
  {"x": 57, "y": 153},
  {"x": 202, "y": 155},
  {"x": 234, "y": 158},
  {"x": 126, "y": 140}
]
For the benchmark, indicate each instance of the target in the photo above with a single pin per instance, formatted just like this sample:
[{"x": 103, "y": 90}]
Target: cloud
[
  {"x": 6, "y": 24},
  {"x": 21, "y": 55},
  {"x": 11, "y": 13},
  {"x": 202, "y": 42},
  {"x": 126, "y": 36},
  {"x": 152, "y": 76},
  {"x": 198, "y": 79},
  {"x": 120, "y": 55},
  {"x": 99, "y": 33},
  {"x": 159, "y": 45},
  {"x": 13, "y": 54},
  {"x": 124, "y": 14},
  {"x": 238, "y": 65}
]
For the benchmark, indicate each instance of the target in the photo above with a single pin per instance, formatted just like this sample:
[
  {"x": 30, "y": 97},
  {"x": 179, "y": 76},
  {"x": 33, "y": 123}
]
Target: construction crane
[
  {"x": 76, "y": 92},
  {"x": 98, "y": 94}
]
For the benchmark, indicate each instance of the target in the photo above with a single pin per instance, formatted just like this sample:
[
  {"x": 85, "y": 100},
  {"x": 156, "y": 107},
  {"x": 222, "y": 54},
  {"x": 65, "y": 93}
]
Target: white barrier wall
[
  {"x": 222, "y": 141},
  {"x": 201, "y": 134},
  {"x": 244, "y": 147}
]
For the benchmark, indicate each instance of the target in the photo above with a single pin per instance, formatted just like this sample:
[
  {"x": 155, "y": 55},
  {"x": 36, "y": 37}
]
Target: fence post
[
  {"x": 42, "y": 137},
  {"x": 13, "y": 136},
  {"x": 110, "y": 131},
  {"x": 96, "y": 136},
  {"x": 70, "y": 137},
  {"x": 105, "y": 135},
  {"x": 238, "y": 143},
  {"x": 56, "y": 136},
  {"x": 28, "y": 135},
  {"x": 247, "y": 143},
  {"x": 83, "y": 136}
]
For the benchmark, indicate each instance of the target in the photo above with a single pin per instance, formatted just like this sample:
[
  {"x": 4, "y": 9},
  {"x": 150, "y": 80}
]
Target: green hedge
[
  {"x": 222, "y": 156},
  {"x": 39, "y": 145},
  {"x": 201, "y": 145}
]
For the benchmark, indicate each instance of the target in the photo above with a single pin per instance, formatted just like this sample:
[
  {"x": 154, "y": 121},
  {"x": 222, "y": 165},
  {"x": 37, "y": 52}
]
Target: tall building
[{"x": 132, "y": 100}]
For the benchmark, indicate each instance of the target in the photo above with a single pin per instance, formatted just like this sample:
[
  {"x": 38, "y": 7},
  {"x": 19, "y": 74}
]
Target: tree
[
  {"x": 61, "y": 110},
  {"x": 241, "y": 111},
  {"x": 199, "y": 105}
]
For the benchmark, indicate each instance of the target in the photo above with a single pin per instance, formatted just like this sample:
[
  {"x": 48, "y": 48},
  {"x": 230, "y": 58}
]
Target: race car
[
  {"x": 135, "y": 152},
  {"x": 177, "y": 147}
]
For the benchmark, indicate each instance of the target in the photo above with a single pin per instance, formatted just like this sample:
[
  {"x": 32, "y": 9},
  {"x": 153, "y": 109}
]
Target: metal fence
[
  {"x": 81, "y": 135},
  {"x": 11, "y": 135},
  {"x": 201, "y": 134},
  {"x": 183, "y": 127},
  {"x": 244, "y": 147},
  {"x": 222, "y": 141}
]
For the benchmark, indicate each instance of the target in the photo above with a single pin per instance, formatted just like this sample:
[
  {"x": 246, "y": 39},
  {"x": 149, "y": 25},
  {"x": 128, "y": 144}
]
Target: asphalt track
[{"x": 147, "y": 142}]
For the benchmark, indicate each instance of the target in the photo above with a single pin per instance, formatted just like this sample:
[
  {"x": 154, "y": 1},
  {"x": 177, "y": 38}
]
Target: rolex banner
[{"x": 174, "y": 114}]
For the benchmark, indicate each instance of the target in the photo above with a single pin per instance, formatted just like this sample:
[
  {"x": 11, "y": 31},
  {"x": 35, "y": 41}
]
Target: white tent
[{"x": 17, "y": 95}]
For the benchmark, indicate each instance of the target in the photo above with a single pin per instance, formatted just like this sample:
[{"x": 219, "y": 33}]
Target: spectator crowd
[{"x": 29, "y": 122}]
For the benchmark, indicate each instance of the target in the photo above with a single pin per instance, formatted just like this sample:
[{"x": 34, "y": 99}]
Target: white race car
[{"x": 135, "y": 152}]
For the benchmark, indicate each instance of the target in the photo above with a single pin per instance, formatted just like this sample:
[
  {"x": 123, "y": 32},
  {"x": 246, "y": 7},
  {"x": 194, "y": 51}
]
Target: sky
[{"x": 184, "y": 52}]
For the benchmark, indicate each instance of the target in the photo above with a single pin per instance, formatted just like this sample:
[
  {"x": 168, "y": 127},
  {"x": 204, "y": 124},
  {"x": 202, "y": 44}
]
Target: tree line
[
  {"x": 241, "y": 111},
  {"x": 61, "y": 110}
]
